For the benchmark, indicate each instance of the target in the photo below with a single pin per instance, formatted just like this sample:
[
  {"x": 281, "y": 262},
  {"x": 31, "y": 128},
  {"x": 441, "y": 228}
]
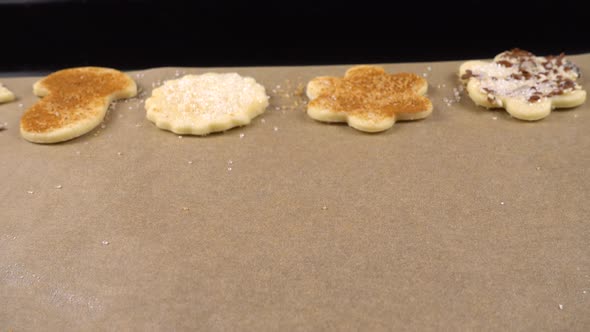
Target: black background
[{"x": 49, "y": 35}]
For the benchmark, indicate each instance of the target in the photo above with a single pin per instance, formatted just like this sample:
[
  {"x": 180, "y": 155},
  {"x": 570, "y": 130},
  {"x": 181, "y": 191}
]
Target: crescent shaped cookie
[
  {"x": 5, "y": 94},
  {"x": 368, "y": 98},
  {"x": 74, "y": 102},
  {"x": 527, "y": 86},
  {"x": 202, "y": 104}
]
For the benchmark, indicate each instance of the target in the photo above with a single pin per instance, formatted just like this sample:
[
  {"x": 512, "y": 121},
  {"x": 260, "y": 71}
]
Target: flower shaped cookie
[
  {"x": 368, "y": 98},
  {"x": 527, "y": 86}
]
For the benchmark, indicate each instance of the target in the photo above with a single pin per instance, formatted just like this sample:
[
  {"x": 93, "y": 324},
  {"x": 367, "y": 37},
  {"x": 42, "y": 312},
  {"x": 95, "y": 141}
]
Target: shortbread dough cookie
[
  {"x": 368, "y": 98},
  {"x": 202, "y": 104},
  {"x": 527, "y": 86},
  {"x": 5, "y": 94},
  {"x": 74, "y": 102}
]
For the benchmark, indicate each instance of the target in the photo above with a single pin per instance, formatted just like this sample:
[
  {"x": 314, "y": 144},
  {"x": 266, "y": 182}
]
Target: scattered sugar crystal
[
  {"x": 242, "y": 135},
  {"x": 130, "y": 107},
  {"x": 190, "y": 161},
  {"x": 105, "y": 243},
  {"x": 20, "y": 105},
  {"x": 494, "y": 118},
  {"x": 262, "y": 121},
  {"x": 538, "y": 168},
  {"x": 229, "y": 168},
  {"x": 502, "y": 203},
  {"x": 429, "y": 68},
  {"x": 575, "y": 115},
  {"x": 561, "y": 307},
  {"x": 103, "y": 126},
  {"x": 59, "y": 186},
  {"x": 275, "y": 128},
  {"x": 324, "y": 207},
  {"x": 120, "y": 153},
  {"x": 229, "y": 162},
  {"x": 179, "y": 137},
  {"x": 30, "y": 192},
  {"x": 184, "y": 208},
  {"x": 425, "y": 74}
]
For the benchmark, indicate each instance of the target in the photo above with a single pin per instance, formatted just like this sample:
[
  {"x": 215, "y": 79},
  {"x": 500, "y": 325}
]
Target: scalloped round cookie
[{"x": 202, "y": 104}]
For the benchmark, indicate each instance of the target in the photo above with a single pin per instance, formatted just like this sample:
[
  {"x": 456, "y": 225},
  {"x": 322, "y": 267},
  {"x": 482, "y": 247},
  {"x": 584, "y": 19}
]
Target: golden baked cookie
[
  {"x": 368, "y": 98},
  {"x": 202, "y": 104},
  {"x": 527, "y": 86},
  {"x": 5, "y": 94},
  {"x": 74, "y": 102}
]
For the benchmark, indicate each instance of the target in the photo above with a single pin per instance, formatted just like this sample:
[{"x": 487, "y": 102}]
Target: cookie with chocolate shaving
[{"x": 527, "y": 86}]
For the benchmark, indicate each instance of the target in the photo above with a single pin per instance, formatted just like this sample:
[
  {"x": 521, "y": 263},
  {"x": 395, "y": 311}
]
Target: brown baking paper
[{"x": 467, "y": 220}]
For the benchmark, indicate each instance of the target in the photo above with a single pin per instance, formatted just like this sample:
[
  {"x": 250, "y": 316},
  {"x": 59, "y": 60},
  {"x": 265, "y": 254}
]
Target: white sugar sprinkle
[
  {"x": 59, "y": 186},
  {"x": 229, "y": 168},
  {"x": 211, "y": 96},
  {"x": 105, "y": 243},
  {"x": 561, "y": 307},
  {"x": 324, "y": 207},
  {"x": 429, "y": 68},
  {"x": 120, "y": 153},
  {"x": 190, "y": 161},
  {"x": 275, "y": 128},
  {"x": 262, "y": 121},
  {"x": 30, "y": 192},
  {"x": 242, "y": 135},
  {"x": 501, "y": 203},
  {"x": 494, "y": 118}
]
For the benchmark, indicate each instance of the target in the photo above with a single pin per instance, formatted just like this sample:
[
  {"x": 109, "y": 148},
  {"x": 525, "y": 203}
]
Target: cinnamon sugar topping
[
  {"x": 370, "y": 92},
  {"x": 73, "y": 95}
]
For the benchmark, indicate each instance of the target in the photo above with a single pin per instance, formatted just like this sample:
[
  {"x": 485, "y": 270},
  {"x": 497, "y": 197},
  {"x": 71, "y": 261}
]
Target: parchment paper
[{"x": 467, "y": 220}]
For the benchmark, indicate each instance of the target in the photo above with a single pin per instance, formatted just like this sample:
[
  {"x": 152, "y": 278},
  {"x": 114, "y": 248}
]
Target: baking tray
[{"x": 467, "y": 220}]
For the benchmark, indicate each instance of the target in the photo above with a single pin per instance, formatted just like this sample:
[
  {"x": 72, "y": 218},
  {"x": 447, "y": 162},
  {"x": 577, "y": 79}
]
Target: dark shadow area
[{"x": 48, "y": 35}]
